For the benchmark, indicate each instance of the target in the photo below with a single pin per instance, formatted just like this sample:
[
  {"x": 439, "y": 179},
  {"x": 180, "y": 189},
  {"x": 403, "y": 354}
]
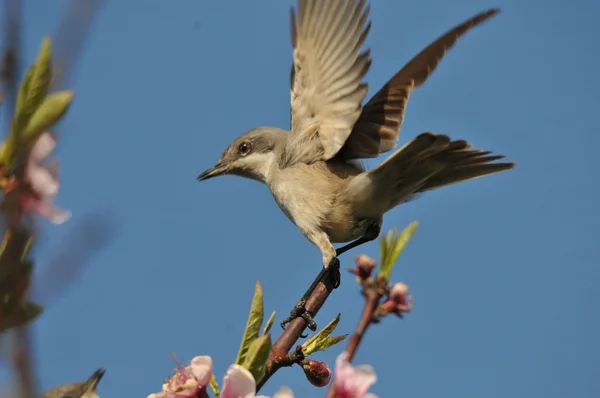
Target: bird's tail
[{"x": 427, "y": 162}]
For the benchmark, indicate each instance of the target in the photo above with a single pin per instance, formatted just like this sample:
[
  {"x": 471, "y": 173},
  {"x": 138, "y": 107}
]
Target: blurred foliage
[{"x": 37, "y": 110}]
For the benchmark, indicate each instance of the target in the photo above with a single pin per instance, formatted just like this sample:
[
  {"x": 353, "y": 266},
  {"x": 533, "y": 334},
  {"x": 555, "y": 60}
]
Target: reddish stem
[{"x": 373, "y": 293}]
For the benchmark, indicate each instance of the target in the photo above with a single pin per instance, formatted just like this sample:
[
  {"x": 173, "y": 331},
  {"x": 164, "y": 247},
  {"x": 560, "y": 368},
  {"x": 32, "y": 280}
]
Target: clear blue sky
[{"x": 504, "y": 270}]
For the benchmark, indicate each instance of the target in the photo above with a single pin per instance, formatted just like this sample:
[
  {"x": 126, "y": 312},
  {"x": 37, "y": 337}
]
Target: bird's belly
[{"x": 347, "y": 228}]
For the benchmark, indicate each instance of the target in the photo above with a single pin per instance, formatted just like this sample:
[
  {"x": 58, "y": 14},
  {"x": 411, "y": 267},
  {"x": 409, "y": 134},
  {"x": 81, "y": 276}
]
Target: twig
[
  {"x": 280, "y": 355},
  {"x": 373, "y": 290},
  {"x": 22, "y": 361},
  {"x": 373, "y": 294}
]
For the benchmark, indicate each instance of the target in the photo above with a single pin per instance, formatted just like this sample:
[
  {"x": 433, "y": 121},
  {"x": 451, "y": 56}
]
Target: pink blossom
[
  {"x": 364, "y": 268},
  {"x": 42, "y": 181},
  {"x": 187, "y": 381},
  {"x": 399, "y": 301},
  {"x": 352, "y": 381},
  {"x": 239, "y": 383}
]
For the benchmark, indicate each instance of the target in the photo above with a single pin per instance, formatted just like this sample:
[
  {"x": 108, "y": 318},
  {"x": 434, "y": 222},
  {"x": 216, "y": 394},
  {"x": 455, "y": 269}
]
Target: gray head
[{"x": 251, "y": 155}]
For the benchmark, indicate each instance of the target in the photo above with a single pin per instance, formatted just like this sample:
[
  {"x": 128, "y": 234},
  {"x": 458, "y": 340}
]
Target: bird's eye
[{"x": 244, "y": 148}]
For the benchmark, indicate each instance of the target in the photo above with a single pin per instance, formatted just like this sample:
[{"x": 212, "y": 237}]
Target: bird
[
  {"x": 85, "y": 389},
  {"x": 314, "y": 170}
]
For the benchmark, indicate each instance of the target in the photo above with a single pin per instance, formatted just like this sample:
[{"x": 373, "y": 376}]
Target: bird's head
[{"x": 251, "y": 155}]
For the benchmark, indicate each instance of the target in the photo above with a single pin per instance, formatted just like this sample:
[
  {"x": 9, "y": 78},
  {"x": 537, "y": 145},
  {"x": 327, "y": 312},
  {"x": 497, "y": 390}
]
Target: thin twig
[{"x": 372, "y": 297}]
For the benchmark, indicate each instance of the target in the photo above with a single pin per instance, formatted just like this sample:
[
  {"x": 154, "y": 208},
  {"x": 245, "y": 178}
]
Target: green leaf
[
  {"x": 52, "y": 109},
  {"x": 255, "y": 319},
  {"x": 34, "y": 86},
  {"x": 393, "y": 246},
  {"x": 214, "y": 386},
  {"x": 257, "y": 357},
  {"x": 383, "y": 246},
  {"x": 23, "y": 315},
  {"x": 269, "y": 323},
  {"x": 331, "y": 341},
  {"x": 320, "y": 341}
]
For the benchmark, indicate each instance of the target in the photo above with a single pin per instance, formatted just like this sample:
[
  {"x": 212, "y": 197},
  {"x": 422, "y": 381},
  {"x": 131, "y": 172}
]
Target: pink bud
[
  {"x": 364, "y": 267},
  {"x": 399, "y": 291},
  {"x": 318, "y": 373},
  {"x": 398, "y": 301}
]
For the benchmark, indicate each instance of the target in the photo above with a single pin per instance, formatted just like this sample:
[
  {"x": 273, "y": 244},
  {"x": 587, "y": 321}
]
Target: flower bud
[
  {"x": 398, "y": 301},
  {"x": 364, "y": 267},
  {"x": 317, "y": 373}
]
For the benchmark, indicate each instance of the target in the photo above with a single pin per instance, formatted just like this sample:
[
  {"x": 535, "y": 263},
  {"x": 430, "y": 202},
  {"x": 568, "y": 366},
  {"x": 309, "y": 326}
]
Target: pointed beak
[
  {"x": 92, "y": 382},
  {"x": 214, "y": 171}
]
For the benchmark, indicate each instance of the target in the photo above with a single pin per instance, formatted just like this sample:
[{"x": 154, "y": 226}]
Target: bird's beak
[
  {"x": 214, "y": 171},
  {"x": 92, "y": 382}
]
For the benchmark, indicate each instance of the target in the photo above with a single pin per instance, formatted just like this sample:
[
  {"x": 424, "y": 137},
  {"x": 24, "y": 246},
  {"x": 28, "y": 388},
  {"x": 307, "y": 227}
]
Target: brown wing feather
[{"x": 377, "y": 129}]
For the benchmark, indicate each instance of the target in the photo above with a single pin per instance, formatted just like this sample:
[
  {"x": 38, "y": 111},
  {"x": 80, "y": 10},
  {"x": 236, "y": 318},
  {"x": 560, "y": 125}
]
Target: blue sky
[{"x": 503, "y": 269}]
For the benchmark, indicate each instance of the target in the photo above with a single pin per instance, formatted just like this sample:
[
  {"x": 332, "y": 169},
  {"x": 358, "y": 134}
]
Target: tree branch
[{"x": 279, "y": 356}]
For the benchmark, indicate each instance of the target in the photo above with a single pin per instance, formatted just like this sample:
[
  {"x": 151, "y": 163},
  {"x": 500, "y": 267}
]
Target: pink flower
[
  {"x": 352, "y": 381},
  {"x": 398, "y": 300},
  {"x": 42, "y": 181},
  {"x": 187, "y": 381},
  {"x": 239, "y": 383},
  {"x": 364, "y": 268}
]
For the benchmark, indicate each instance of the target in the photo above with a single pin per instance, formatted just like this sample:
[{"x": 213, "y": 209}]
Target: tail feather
[{"x": 427, "y": 162}]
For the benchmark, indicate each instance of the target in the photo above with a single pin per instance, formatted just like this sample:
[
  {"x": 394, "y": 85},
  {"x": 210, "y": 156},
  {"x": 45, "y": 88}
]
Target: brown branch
[
  {"x": 372, "y": 296},
  {"x": 280, "y": 355}
]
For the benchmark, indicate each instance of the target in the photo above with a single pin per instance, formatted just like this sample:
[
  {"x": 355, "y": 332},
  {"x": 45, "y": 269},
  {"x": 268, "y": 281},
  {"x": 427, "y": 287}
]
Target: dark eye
[{"x": 244, "y": 148}]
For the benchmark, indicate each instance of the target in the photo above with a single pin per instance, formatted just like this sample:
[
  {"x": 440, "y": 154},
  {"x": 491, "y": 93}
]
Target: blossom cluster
[{"x": 192, "y": 381}]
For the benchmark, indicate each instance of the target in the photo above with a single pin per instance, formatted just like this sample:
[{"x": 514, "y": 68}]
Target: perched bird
[
  {"x": 86, "y": 389},
  {"x": 313, "y": 170}
]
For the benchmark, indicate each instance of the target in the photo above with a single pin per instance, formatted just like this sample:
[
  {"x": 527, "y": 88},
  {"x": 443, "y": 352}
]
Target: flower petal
[
  {"x": 42, "y": 147},
  {"x": 354, "y": 380},
  {"x": 364, "y": 377},
  {"x": 284, "y": 392},
  {"x": 42, "y": 181},
  {"x": 238, "y": 383},
  {"x": 202, "y": 367},
  {"x": 54, "y": 214}
]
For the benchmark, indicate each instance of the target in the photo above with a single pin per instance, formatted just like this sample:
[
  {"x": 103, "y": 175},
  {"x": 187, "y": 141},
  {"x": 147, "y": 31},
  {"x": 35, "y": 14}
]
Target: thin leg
[
  {"x": 333, "y": 272},
  {"x": 370, "y": 234}
]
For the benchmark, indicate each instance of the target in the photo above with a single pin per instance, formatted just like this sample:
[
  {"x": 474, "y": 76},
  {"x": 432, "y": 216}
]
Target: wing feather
[
  {"x": 326, "y": 81},
  {"x": 378, "y": 127}
]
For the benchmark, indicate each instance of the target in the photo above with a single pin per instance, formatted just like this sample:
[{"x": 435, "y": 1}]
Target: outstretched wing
[
  {"x": 377, "y": 129},
  {"x": 326, "y": 88}
]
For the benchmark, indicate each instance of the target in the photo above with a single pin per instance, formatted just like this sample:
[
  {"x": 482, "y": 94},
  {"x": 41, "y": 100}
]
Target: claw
[
  {"x": 300, "y": 311},
  {"x": 334, "y": 272}
]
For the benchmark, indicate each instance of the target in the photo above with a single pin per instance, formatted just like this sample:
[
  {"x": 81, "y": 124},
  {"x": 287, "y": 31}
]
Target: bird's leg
[
  {"x": 333, "y": 272},
  {"x": 371, "y": 234},
  {"x": 330, "y": 276}
]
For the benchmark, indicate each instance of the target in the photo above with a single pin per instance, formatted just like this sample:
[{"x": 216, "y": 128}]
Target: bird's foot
[
  {"x": 300, "y": 311},
  {"x": 334, "y": 272}
]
